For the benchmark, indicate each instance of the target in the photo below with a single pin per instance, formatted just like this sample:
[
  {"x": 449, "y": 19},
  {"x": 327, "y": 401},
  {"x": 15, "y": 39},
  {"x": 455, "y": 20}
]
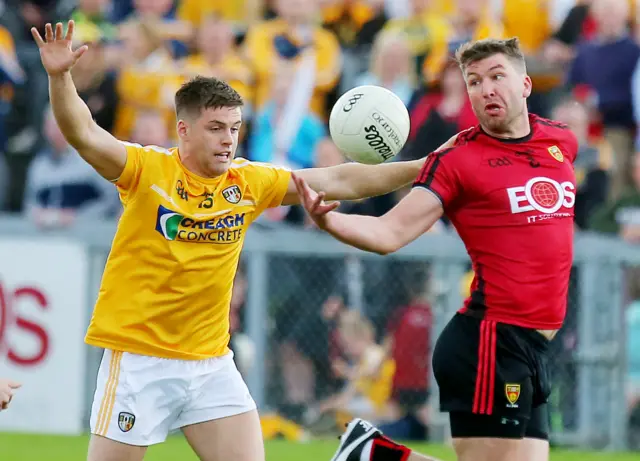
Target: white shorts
[{"x": 139, "y": 400}]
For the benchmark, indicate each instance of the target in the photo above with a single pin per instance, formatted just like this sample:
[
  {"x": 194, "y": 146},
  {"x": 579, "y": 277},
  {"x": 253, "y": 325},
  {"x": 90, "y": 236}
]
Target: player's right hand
[
  {"x": 313, "y": 202},
  {"x": 7, "y": 389},
  {"x": 55, "y": 50}
]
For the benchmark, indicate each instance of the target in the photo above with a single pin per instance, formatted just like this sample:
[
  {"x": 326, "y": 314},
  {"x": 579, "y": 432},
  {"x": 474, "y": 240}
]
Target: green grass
[{"x": 27, "y": 447}]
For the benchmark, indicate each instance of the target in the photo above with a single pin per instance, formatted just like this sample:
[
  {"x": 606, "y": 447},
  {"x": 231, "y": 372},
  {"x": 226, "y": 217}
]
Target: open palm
[{"x": 55, "y": 50}]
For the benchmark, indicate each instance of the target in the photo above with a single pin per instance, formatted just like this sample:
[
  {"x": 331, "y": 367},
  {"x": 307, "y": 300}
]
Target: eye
[
  {"x": 235, "y": 129},
  {"x": 498, "y": 76},
  {"x": 473, "y": 83}
]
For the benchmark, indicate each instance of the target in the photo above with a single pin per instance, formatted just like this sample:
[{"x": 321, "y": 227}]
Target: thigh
[
  {"x": 237, "y": 437},
  {"x": 480, "y": 371},
  {"x": 216, "y": 391},
  {"x": 103, "y": 449},
  {"x": 136, "y": 399}
]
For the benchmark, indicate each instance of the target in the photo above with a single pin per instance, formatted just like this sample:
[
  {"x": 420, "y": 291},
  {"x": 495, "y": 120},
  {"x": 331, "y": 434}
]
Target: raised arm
[
  {"x": 409, "y": 219},
  {"x": 95, "y": 145}
]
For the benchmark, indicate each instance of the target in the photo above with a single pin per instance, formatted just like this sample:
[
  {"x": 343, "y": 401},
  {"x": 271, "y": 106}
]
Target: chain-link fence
[{"x": 307, "y": 310}]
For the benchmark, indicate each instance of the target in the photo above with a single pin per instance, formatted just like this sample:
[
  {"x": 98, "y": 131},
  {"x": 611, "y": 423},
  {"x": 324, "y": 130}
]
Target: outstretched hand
[
  {"x": 55, "y": 50},
  {"x": 313, "y": 202}
]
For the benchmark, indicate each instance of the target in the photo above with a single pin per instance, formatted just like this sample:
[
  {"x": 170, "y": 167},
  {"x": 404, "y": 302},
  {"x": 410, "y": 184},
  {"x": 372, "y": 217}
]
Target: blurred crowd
[{"x": 291, "y": 60}]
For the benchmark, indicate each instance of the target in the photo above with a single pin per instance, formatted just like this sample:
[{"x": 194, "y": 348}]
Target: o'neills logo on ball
[{"x": 391, "y": 133}]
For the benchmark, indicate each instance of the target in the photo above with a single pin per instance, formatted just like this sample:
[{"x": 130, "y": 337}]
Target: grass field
[{"x": 23, "y": 447}]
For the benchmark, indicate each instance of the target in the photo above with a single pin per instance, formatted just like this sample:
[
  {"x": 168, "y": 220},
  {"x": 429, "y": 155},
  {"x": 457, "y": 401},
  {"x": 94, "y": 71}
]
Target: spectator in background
[
  {"x": 10, "y": 75},
  {"x": 160, "y": 15},
  {"x": 408, "y": 343},
  {"x": 272, "y": 141},
  {"x": 92, "y": 16},
  {"x": 348, "y": 20},
  {"x": 94, "y": 75},
  {"x": 622, "y": 216},
  {"x": 427, "y": 33},
  {"x": 309, "y": 350},
  {"x": 473, "y": 21},
  {"x": 606, "y": 64},
  {"x": 62, "y": 187},
  {"x": 239, "y": 14},
  {"x": 439, "y": 114},
  {"x": 534, "y": 23},
  {"x": 150, "y": 129},
  {"x": 391, "y": 66},
  {"x": 145, "y": 79},
  {"x": 294, "y": 43},
  {"x": 367, "y": 374},
  {"x": 632, "y": 316},
  {"x": 591, "y": 164},
  {"x": 216, "y": 55}
]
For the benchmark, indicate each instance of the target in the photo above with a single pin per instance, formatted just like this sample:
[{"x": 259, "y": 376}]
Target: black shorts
[{"x": 493, "y": 379}]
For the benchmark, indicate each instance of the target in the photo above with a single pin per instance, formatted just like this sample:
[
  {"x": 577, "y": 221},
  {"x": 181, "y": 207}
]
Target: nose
[
  {"x": 227, "y": 138},
  {"x": 488, "y": 89}
]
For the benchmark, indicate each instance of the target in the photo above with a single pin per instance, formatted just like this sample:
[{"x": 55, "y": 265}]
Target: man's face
[
  {"x": 212, "y": 138},
  {"x": 498, "y": 91}
]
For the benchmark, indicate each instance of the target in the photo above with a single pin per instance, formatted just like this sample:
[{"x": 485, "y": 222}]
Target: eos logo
[
  {"x": 352, "y": 102},
  {"x": 542, "y": 194},
  {"x": 10, "y": 320}
]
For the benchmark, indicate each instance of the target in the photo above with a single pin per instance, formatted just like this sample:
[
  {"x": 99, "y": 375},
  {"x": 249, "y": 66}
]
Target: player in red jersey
[{"x": 508, "y": 187}]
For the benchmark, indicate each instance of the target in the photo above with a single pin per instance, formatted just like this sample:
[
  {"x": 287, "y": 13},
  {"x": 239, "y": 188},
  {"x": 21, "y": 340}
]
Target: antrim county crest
[
  {"x": 232, "y": 194},
  {"x": 126, "y": 421},
  {"x": 513, "y": 394},
  {"x": 556, "y": 153}
]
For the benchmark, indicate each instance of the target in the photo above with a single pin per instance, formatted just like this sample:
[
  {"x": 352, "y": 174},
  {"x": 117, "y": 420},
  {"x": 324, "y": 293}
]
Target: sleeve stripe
[{"x": 425, "y": 178}]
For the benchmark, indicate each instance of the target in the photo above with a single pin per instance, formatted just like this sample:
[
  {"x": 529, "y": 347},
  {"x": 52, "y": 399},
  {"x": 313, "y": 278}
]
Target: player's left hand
[
  {"x": 7, "y": 389},
  {"x": 313, "y": 202}
]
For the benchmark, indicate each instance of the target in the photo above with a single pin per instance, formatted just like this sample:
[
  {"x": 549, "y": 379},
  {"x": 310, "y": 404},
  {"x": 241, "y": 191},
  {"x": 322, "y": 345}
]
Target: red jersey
[
  {"x": 411, "y": 332},
  {"x": 512, "y": 203}
]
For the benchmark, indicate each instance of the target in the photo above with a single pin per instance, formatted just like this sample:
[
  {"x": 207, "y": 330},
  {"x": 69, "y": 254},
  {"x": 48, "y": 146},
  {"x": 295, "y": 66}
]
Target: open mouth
[
  {"x": 223, "y": 156},
  {"x": 493, "y": 108}
]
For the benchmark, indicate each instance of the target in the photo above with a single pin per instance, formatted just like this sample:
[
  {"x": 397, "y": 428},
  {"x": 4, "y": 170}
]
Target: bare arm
[
  {"x": 354, "y": 181},
  {"x": 96, "y": 146},
  {"x": 404, "y": 223}
]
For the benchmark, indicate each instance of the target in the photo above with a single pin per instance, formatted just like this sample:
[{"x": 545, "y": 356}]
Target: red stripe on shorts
[{"x": 485, "y": 377}]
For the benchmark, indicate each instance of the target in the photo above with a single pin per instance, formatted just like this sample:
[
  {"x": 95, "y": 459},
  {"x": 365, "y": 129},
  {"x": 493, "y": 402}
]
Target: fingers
[
  {"x": 48, "y": 33},
  {"x": 37, "y": 37},
  {"x": 71, "y": 25},
  {"x": 77, "y": 54},
  {"x": 59, "y": 31}
]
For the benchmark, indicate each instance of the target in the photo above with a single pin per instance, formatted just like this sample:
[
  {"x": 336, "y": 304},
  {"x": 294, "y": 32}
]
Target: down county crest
[
  {"x": 126, "y": 421},
  {"x": 513, "y": 394},
  {"x": 232, "y": 194},
  {"x": 556, "y": 153}
]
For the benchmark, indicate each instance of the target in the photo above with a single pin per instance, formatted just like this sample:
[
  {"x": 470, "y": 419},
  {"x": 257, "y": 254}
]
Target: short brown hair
[
  {"x": 477, "y": 51},
  {"x": 205, "y": 93}
]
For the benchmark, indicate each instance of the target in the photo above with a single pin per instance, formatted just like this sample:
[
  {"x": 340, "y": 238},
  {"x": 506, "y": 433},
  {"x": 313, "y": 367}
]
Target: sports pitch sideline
[{"x": 29, "y": 447}]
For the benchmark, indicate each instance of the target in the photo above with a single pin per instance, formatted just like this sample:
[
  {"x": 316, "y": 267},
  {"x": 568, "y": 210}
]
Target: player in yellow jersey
[{"x": 162, "y": 314}]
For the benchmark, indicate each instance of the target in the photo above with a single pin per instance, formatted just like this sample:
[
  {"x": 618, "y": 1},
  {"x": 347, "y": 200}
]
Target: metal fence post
[{"x": 257, "y": 324}]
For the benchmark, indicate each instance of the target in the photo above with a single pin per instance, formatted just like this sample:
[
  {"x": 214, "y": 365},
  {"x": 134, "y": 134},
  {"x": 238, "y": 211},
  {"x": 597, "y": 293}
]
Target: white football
[{"x": 369, "y": 124}]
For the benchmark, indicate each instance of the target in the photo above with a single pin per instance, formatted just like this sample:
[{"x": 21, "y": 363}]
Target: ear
[
  {"x": 528, "y": 86},
  {"x": 182, "y": 128}
]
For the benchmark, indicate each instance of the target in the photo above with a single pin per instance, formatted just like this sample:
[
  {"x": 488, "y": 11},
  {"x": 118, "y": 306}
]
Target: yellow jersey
[{"x": 167, "y": 284}]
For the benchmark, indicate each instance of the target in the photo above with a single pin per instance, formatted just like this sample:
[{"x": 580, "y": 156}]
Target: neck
[
  {"x": 518, "y": 128},
  {"x": 191, "y": 163}
]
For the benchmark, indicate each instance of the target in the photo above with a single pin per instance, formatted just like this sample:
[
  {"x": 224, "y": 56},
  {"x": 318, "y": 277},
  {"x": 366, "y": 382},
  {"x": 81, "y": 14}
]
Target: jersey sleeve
[
  {"x": 571, "y": 145},
  {"x": 128, "y": 181},
  {"x": 439, "y": 176},
  {"x": 269, "y": 184}
]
